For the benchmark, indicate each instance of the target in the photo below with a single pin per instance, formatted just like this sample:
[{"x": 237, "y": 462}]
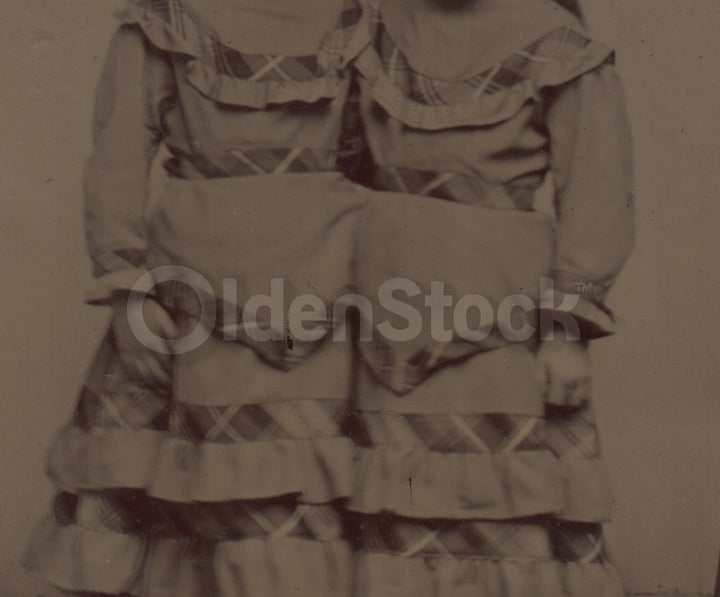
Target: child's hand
[
  {"x": 143, "y": 364},
  {"x": 564, "y": 367}
]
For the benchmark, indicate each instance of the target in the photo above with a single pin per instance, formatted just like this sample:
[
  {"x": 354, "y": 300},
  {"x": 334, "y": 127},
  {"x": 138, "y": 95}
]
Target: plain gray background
[{"x": 656, "y": 382}]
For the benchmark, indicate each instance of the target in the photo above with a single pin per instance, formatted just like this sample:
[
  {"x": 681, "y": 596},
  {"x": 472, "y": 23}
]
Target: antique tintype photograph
[{"x": 360, "y": 298}]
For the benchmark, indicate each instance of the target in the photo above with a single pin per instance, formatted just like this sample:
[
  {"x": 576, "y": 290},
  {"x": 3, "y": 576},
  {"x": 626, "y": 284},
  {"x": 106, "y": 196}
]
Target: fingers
[
  {"x": 565, "y": 374},
  {"x": 567, "y": 392}
]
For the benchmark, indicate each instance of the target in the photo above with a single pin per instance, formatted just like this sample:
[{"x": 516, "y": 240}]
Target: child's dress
[
  {"x": 226, "y": 483},
  {"x": 451, "y": 477},
  {"x": 467, "y": 484}
]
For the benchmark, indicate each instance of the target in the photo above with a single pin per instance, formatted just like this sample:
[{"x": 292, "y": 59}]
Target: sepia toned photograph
[{"x": 360, "y": 298}]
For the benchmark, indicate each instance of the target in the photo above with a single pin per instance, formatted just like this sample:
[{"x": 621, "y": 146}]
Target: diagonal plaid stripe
[
  {"x": 135, "y": 409},
  {"x": 221, "y": 424},
  {"x": 249, "y": 162},
  {"x": 429, "y": 541},
  {"x": 272, "y": 70},
  {"x": 573, "y": 434},
  {"x": 574, "y": 541},
  {"x": 114, "y": 413},
  {"x": 408, "y": 537},
  {"x": 323, "y": 522},
  {"x": 134, "y": 512},
  {"x": 118, "y": 259},
  {"x": 447, "y": 433},
  {"x": 527, "y": 64},
  {"x": 400, "y": 432},
  {"x": 306, "y": 419},
  {"x": 100, "y": 511},
  {"x": 468, "y": 434},
  {"x": 331, "y": 53},
  {"x": 258, "y": 67},
  {"x": 450, "y": 186},
  {"x": 288, "y": 160},
  {"x": 269, "y": 518},
  {"x": 122, "y": 511},
  {"x": 403, "y": 371}
]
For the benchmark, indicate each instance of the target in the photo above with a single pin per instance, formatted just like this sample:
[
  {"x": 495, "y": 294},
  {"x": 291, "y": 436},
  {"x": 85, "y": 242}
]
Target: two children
[{"x": 416, "y": 466}]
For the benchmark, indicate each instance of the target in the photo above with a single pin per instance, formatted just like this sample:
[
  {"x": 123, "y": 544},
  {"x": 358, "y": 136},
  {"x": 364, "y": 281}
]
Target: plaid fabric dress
[
  {"x": 367, "y": 467},
  {"x": 467, "y": 483},
  {"x": 231, "y": 481}
]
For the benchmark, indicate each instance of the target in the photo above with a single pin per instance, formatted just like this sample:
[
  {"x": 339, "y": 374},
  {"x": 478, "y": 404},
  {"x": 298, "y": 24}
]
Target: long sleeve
[
  {"x": 126, "y": 135},
  {"x": 591, "y": 164}
]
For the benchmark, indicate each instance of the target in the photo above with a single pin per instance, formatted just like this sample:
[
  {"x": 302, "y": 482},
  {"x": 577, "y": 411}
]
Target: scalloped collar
[
  {"x": 456, "y": 39},
  {"x": 288, "y": 27}
]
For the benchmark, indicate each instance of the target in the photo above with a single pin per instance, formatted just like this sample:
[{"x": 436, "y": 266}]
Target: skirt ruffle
[
  {"x": 489, "y": 486},
  {"x": 82, "y": 560},
  {"x": 476, "y": 462},
  {"x": 78, "y": 559},
  {"x": 126, "y": 436},
  {"x": 510, "y": 558},
  {"x": 386, "y": 574},
  {"x": 165, "y": 498},
  {"x": 298, "y": 496},
  {"x": 178, "y": 470}
]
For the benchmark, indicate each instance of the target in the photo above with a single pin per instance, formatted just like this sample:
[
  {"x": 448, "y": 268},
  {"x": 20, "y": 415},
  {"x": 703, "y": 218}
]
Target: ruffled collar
[{"x": 456, "y": 39}]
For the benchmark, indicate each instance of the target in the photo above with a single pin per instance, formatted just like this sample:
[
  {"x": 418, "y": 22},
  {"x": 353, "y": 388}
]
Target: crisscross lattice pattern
[
  {"x": 485, "y": 433},
  {"x": 541, "y": 539},
  {"x": 248, "y": 162},
  {"x": 298, "y": 419},
  {"x": 471, "y": 190},
  {"x": 134, "y": 512},
  {"x": 523, "y": 65}
]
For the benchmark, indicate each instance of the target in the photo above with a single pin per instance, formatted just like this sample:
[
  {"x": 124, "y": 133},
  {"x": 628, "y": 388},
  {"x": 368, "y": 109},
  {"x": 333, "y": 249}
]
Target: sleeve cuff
[{"x": 583, "y": 319}]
